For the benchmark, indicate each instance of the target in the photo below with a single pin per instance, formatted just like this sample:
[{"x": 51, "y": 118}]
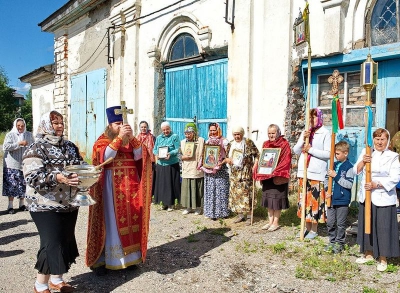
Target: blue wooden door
[
  {"x": 197, "y": 93},
  {"x": 88, "y": 100}
]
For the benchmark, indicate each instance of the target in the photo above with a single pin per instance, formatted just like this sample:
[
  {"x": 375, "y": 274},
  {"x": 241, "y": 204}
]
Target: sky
[{"x": 23, "y": 46}]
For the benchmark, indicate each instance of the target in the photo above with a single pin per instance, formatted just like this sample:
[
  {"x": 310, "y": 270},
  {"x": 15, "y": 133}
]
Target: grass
[{"x": 2, "y": 136}]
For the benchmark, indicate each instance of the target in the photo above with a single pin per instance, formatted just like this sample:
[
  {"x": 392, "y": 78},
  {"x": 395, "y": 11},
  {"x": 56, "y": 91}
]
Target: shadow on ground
[{"x": 164, "y": 259}]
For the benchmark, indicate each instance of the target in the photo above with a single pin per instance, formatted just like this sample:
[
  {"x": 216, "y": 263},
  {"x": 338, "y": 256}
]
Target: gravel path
[{"x": 186, "y": 254}]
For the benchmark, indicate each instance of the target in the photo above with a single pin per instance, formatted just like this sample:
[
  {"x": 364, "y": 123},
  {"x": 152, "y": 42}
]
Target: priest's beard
[{"x": 111, "y": 135}]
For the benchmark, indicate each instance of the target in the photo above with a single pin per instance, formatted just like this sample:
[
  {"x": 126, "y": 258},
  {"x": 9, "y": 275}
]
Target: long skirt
[
  {"x": 13, "y": 183},
  {"x": 58, "y": 248},
  {"x": 216, "y": 194},
  {"x": 192, "y": 192},
  {"x": 315, "y": 201},
  {"x": 384, "y": 237},
  {"x": 167, "y": 187},
  {"x": 274, "y": 197},
  {"x": 240, "y": 195}
]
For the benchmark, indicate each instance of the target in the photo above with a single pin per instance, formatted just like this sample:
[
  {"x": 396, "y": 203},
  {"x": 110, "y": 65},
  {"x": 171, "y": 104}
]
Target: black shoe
[
  {"x": 11, "y": 211},
  {"x": 100, "y": 271},
  {"x": 337, "y": 248},
  {"x": 131, "y": 268},
  {"x": 329, "y": 247},
  {"x": 23, "y": 208}
]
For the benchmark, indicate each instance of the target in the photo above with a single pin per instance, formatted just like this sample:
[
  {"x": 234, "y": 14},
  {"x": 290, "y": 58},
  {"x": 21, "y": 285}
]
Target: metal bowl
[{"x": 88, "y": 175}]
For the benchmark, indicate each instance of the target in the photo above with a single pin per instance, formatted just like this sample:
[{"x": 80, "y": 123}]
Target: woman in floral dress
[
  {"x": 243, "y": 154},
  {"x": 216, "y": 179}
]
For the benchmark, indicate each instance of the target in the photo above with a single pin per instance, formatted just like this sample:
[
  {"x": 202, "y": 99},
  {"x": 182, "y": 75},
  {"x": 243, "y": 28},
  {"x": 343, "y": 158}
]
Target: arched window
[
  {"x": 184, "y": 46},
  {"x": 385, "y": 23}
]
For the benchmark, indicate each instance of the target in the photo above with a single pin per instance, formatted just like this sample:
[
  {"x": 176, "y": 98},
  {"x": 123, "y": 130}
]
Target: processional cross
[
  {"x": 335, "y": 79},
  {"x": 124, "y": 111}
]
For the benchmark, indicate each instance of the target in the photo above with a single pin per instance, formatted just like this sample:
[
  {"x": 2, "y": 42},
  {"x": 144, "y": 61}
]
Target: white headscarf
[{"x": 20, "y": 135}]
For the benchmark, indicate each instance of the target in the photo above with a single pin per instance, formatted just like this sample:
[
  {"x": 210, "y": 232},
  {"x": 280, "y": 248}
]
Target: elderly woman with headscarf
[
  {"x": 275, "y": 186},
  {"x": 167, "y": 185},
  {"x": 14, "y": 146},
  {"x": 192, "y": 179},
  {"x": 383, "y": 241},
  {"x": 242, "y": 156},
  {"x": 48, "y": 194},
  {"x": 216, "y": 176},
  {"x": 146, "y": 138},
  {"x": 318, "y": 154}
]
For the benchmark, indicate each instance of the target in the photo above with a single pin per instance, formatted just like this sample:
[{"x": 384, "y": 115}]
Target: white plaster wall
[
  {"x": 269, "y": 70},
  {"x": 42, "y": 102},
  {"x": 359, "y": 19},
  {"x": 206, "y": 13}
]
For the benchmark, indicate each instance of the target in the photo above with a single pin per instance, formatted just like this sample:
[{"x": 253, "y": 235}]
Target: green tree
[
  {"x": 26, "y": 110},
  {"x": 8, "y": 107}
]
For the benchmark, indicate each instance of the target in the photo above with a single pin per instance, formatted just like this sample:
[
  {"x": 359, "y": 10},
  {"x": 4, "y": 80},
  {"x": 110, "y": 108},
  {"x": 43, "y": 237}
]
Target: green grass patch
[
  {"x": 192, "y": 238},
  {"x": 318, "y": 264},
  {"x": 2, "y": 137},
  {"x": 372, "y": 290}
]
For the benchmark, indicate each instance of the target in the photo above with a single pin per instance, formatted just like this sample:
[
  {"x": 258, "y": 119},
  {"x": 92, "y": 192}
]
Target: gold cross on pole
[
  {"x": 124, "y": 111},
  {"x": 335, "y": 79}
]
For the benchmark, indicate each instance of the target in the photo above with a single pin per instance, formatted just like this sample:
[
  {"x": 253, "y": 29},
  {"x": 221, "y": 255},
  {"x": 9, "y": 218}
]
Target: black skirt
[
  {"x": 384, "y": 237},
  {"x": 58, "y": 248},
  {"x": 167, "y": 185},
  {"x": 274, "y": 197}
]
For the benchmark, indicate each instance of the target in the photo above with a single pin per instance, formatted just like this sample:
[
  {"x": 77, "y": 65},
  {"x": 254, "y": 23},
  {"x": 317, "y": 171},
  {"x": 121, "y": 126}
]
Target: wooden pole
[
  {"x": 307, "y": 123},
  {"x": 252, "y": 203},
  {"x": 335, "y": 79},
  {"x": 367, "y": 227},
  {"x": 307, "y": 140},
  {"x": 331, "y": 163}
]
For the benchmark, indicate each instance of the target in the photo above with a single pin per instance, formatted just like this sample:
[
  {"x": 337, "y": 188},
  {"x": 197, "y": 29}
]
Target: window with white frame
[{"x": 352, "y": 98}]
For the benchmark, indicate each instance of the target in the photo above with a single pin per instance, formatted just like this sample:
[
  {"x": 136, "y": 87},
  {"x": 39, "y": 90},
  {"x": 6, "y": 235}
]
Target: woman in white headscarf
[
  {"x": 14, "y": 146},
  {"x": 242, "y": 156},
  {"x": 383, "y": 241}
]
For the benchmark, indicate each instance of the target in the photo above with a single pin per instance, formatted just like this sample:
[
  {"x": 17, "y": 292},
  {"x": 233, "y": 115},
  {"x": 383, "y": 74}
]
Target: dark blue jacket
[{"x": 343, "y": 183}]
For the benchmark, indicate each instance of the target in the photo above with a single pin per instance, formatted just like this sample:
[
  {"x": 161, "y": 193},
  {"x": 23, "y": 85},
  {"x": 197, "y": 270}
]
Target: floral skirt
[
  {"x": 13, "y": 183},
  {"x": 315, "y": 201}
]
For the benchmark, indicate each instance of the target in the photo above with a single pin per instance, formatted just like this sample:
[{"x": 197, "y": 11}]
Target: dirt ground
[{"x": 188, "y": 254}]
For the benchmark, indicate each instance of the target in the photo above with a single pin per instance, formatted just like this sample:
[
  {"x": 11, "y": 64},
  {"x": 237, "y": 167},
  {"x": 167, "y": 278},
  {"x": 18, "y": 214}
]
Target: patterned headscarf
[
  {"x": 319, "y": 115},
  {"x": 191, "y": 127},
  {"x": 320, "y": 122},
  {"x": 45, "y": 128},
  {"x": 219, "y": 131}
]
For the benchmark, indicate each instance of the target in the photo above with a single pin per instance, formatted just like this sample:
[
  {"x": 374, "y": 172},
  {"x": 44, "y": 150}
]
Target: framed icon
[
  {"x": 211, "y": 155},
  {"x": 189, "y": 149},
  {"x": 237, "y": 158},
  {"x": 268, "y": 160},
  {"x": 162, "y": 152}
]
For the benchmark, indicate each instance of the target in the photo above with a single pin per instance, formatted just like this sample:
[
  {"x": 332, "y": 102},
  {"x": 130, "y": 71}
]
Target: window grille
[
  {"x": 184, "y": 46},
  {"x": 385, "y": 22},
  {"x": 352, "y": 98}
]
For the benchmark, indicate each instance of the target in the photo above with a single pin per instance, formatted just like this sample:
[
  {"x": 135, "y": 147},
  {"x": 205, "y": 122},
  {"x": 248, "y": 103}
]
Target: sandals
[
  {"x": 266, "y": 227},
  {"x": 273, "y": 228}
]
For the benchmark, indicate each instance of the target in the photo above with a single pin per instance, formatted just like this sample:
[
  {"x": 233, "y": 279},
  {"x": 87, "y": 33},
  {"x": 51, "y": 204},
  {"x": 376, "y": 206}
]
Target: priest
[{"x": 118, "y": 223}]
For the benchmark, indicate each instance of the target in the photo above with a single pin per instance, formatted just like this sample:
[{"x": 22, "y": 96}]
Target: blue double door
[
  {"x": 88, "y": 101},
  {"x": 197, "y": 93}
]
